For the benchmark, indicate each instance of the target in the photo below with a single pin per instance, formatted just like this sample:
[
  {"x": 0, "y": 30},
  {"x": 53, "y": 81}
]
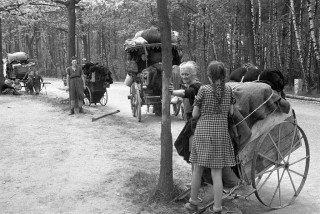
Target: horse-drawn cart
[{"x": 144, "y": 69}]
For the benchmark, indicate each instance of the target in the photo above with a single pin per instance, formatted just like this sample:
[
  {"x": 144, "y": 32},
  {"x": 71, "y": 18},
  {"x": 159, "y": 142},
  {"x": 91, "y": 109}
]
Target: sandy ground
[{"x": 51, "y": 162}]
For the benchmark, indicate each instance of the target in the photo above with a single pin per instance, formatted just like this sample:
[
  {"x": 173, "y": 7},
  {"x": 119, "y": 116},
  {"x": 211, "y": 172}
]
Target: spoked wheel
[
  {"x": 104, "y": 98},
  {"x": 138, "y": 103},
  {"x": 176, "y": 108},
  {"x": 132, "y": 100},
  {"x": 280, "y": 165},
  {"x": 135, "y": 101},
  {"x": 88, "y": 96}
]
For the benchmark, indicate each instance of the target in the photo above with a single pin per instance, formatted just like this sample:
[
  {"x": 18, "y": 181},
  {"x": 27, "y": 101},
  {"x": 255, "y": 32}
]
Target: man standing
[{"x": 76, "y": 85}]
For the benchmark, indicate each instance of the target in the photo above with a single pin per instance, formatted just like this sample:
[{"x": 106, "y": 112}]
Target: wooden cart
[
  {"x": 140, "y": 93},
  {"x": 274, "y": 162},
  {"x": 96, "y": 92}
]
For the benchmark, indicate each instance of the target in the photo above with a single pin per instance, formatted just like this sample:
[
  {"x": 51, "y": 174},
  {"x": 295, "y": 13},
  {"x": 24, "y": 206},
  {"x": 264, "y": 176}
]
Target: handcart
[
  {"x": 97, "y": 81},
  {"x": 273, "y": 162}
]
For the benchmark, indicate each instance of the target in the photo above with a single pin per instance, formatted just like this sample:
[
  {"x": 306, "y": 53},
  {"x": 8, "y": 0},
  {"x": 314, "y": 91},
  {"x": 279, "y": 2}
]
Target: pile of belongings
[
  {"x": 149, "y": 36},
  {"x": 18, "y": 64},
  {"x": 255, "y": 101},
  {"x": 97, "y": 73}
]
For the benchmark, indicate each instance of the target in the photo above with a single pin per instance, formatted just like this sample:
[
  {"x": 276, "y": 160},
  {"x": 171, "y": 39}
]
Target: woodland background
[{"x": 282, "y": 34}]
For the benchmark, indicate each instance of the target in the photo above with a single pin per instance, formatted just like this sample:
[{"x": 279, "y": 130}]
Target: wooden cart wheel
[
  {"x": 176, "y": 108},
  {"x": 132, "y": 100},
  {"x": 104, "y": 98},
  {"x": 88, "y": 96},
  {"x": 280, "y": 165},
  {"x": 138, "y": 102}
]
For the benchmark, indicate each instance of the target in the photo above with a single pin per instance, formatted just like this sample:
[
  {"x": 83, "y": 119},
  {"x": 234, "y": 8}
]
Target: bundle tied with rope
[{"x": 254, "y": 101}]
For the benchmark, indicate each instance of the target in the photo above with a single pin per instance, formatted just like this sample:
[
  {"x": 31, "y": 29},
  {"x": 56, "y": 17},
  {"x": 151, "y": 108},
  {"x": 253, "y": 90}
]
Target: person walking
[
  {"x": 76, "y": 85},
  {"x": 211, "y": 146}
]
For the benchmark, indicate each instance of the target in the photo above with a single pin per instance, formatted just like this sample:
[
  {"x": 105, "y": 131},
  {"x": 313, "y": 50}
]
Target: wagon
[
  {"x": 274, "y": 162},
  {"x": 98, "y": 80},
  {"x": 141, "y": 92}
]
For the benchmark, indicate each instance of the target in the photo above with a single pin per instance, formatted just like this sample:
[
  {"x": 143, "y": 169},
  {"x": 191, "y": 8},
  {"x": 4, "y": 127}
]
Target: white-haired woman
[{"x": 188, "y": 74}]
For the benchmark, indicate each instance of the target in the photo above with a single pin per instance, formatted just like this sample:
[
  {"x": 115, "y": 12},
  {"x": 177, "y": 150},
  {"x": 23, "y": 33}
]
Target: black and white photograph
[{"x": 159, "y": 106}]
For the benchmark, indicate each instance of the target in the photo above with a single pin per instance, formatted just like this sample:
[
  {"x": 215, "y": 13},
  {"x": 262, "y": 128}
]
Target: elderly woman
[
  {"x": 75, "y": 83},
  {"x": 188, "y": 73}
]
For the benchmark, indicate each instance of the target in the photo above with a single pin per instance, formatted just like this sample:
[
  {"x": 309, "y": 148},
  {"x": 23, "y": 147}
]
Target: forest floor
[{"x": 51, "y": 162}]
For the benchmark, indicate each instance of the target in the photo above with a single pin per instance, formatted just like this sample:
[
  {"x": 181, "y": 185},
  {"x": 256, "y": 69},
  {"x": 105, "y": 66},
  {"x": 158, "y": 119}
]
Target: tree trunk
[
  {"x": 298, "y": 41},
  {"x": 165, "y": 183},
  {"x": 249, "y": 32},
  {"x": 71, "y": 7},
  {"x": 1, "y": 57},
  {"x": 313, "y": 38}
]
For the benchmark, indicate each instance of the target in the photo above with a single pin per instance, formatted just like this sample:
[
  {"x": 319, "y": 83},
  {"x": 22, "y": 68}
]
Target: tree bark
[
  {"x": 1, "y": 57},
  {"x": 250, "y": 32},
  {"x": 165, "y": 183},
  {"x": 313, "y": 38},
  {"x": 298, "y": 42}
]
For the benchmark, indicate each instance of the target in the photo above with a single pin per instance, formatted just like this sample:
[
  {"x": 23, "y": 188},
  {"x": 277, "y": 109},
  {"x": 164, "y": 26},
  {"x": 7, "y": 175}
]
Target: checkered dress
[{"x": 212, "y": 146}]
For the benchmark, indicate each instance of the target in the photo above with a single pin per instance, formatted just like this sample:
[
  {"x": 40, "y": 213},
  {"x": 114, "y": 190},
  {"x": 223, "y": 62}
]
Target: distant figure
[
  {"x": 8, "y": 88},
  {"x": 30, "y": 81},
  {"x": 76, "y": 85},
  {"x": 17, "y": 85},
  {"x": 37, "y": 82}
]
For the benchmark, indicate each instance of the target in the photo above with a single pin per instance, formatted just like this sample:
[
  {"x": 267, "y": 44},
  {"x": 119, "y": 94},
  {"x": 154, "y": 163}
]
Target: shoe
[
  {"x": 81, "y": 110},
  {"x": 192, "y": 206},
  {"x": 71, "y": 112},
  {"x": 215, "y": 210}
]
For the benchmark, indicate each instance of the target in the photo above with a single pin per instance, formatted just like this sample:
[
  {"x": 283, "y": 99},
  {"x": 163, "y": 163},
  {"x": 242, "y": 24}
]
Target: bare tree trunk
[
  {"x": 311, "y": 16},
  {"x": 249, "y": 32},
  {"x": 1, "y": 62},
  {"x": 298, "y": 41},
  {"x": 165, "y": 183}
]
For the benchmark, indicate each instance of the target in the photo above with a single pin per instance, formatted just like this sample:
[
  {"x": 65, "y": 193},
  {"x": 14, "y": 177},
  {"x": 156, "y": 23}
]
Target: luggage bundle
[
  {"x": 144, "y": 50},
  {"x": 97, "y": 73}
]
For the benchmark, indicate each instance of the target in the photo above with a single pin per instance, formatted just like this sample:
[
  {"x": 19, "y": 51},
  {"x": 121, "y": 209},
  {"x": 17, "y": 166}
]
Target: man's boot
[{"x": 71, "y": 111}]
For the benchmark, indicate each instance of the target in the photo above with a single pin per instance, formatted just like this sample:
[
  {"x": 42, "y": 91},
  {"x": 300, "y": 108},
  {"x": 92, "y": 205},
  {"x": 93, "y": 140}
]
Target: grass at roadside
[{"x": 141, "y": 189}]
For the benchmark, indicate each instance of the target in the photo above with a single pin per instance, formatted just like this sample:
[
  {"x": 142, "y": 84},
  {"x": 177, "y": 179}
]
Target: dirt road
[{"x": 51, "y": 162}]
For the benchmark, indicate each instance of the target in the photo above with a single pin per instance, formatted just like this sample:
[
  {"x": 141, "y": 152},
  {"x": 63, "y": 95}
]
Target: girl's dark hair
[{"x": 217, "y": 71}]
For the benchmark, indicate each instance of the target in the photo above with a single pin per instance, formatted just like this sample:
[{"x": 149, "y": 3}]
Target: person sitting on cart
[
  {"x": 8, "y": 88},
  {"x": 76, "y": 85},
  {"x": 17, "y": 85}
]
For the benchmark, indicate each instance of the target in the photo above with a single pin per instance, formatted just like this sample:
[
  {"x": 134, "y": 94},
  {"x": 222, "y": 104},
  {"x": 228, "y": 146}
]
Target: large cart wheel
[
  {"x": 136, "y": 101},
  {"x": 280, "y": 165},
  {"x": 104, "y": 98},
  {"x": 88, "y": 96}
]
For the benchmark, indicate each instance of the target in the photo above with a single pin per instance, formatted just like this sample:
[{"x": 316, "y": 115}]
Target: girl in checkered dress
[{"x": 212, "y": 146}]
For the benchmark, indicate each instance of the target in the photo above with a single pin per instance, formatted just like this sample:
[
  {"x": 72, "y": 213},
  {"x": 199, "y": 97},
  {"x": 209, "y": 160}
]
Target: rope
[{"x": 255, "y": 109}]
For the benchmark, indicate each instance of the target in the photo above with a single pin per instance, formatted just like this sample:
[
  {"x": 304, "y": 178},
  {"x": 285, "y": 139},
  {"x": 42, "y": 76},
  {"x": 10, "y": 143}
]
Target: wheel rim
[
  {"x": 88, "y": 96},
  {"x": 176, "y": 108},
  {"x": 133, "y": 100},
  {"x": 104, "y": 99},
  {"x": 138, "y": 106},
  {"x": 280, "y": 165}
]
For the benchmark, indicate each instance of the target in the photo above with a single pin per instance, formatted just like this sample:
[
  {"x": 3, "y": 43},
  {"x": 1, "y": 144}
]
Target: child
[{"x": 212, "y": 146}]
